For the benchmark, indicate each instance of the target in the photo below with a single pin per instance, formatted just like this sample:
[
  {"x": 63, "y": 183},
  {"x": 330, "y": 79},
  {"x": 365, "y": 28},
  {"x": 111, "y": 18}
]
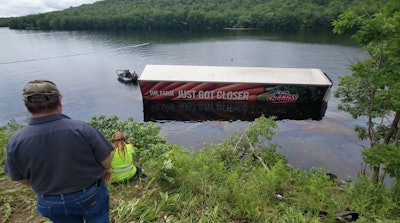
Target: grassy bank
[{"x": 241, "y": 180}]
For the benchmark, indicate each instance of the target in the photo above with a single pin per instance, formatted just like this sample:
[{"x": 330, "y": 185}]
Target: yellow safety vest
[{"x": 122, "y": 167}]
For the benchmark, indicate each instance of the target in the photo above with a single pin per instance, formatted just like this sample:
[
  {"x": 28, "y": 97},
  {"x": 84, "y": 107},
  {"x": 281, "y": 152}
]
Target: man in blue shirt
[{"x": 65, "y": 161}]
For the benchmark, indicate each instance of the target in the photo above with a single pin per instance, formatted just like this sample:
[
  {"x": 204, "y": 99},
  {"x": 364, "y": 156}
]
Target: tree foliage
[
  {"x": 190, "y": 15},
  {"x": 372, "y": 91}
]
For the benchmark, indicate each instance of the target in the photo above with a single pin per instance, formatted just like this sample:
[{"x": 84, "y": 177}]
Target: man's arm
[
  {"x": 11, "y": 170},
  {"x": 107, "y": 167},
  {"x": 106, "y": 163}
]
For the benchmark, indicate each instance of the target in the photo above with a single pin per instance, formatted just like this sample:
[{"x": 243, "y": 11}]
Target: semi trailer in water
[{"x": 239, "y": 92}]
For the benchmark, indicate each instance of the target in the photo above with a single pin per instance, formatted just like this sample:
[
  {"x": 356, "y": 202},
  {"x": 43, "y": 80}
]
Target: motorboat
[{"x": 126, "y": 76}]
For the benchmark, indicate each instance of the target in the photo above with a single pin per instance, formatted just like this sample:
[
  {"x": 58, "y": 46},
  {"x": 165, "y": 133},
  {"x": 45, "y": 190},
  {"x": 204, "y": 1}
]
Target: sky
[{"x": 14, "y": 8}]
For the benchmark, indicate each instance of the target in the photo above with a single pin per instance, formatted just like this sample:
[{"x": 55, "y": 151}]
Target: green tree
[
  {"x": 193, "y": 14},
  {"x": 372, "y": 91}
]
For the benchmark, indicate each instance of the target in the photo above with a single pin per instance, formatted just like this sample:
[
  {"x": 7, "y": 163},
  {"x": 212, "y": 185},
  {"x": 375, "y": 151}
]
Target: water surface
[{"x": 83, "y": 66}]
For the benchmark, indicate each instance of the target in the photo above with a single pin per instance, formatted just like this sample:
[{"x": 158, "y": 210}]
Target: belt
[{"x": 97, "y": 183}]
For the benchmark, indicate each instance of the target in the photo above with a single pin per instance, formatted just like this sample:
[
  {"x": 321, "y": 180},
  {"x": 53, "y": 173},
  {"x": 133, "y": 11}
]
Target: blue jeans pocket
[
  {"x": 43, "y": 210},
  {"x": 92, "y": 204},
  {"x": 50, "y": 209}
]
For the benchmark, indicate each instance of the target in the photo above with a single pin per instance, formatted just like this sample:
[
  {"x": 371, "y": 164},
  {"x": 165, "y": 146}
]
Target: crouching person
[{"x": 122, "y": 166}]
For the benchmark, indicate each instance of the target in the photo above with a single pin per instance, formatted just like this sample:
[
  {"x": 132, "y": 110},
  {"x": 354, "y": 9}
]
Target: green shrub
[{"x": 243, "y": 179}]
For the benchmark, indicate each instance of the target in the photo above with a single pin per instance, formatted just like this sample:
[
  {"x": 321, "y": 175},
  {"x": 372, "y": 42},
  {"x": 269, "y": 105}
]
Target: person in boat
[
  {"x": 127, "y": 74},
  {"x": 134, "y": 74},
  {"x": 122, "y": 167}
]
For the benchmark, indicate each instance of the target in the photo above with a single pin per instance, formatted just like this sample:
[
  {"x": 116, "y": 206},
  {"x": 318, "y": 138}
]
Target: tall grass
[{"x": 241, "y": 180}]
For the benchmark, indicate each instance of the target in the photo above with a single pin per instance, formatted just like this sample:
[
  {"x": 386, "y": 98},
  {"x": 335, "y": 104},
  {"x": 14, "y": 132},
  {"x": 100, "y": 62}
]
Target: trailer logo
[{"x": 282, "y": 97}]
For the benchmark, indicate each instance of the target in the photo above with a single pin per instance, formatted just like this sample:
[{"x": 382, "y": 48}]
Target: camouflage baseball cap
[{"x": 40, "y": 90}]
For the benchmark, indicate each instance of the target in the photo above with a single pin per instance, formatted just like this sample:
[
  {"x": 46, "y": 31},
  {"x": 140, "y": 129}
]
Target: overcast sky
[{"x": 13, "y": 8}]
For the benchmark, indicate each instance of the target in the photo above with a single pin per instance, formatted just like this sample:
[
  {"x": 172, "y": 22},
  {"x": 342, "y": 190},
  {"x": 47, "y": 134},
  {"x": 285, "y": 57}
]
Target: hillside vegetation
[
  {"x": 191, "y": 15},
  {"x": 243, "y": 179}
]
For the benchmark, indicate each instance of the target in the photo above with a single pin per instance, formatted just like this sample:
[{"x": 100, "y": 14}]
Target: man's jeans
[{"x": 91, "y": 204}]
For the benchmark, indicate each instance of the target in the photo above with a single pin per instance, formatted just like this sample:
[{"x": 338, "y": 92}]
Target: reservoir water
[{"x": 83, "y": 65}]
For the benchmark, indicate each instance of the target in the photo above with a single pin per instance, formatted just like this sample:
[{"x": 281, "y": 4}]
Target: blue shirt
[{"x": 57, "y": 154}]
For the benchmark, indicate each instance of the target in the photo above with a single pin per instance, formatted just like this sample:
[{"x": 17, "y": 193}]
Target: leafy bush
[
  {"x": 145, "y": 137},
  {"x": 243, "y": 179}
]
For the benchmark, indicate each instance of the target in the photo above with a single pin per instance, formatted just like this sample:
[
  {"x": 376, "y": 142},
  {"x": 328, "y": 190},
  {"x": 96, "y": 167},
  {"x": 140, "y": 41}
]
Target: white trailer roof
[{"x": 224, "y": 74}]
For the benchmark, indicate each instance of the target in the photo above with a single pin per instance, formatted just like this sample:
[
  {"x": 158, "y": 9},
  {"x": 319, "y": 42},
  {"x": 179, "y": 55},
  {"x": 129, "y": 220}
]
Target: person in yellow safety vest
[{"x": 122, "y": 166}]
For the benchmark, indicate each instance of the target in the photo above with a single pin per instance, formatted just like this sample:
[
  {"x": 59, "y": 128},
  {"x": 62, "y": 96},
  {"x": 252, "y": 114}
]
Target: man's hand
[{"x": 107, "y": 175}]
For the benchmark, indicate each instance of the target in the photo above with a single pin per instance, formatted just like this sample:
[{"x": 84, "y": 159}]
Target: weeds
[{"x": 241, "y": 180}]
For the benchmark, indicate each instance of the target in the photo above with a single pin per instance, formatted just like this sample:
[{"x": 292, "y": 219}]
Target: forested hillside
[{"x": 191, "y": 15}]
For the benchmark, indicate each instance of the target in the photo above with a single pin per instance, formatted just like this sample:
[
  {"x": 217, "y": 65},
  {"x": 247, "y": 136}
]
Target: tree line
[{"x": 190, "y": 15}]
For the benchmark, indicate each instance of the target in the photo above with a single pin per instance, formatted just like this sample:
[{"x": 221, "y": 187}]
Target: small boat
[{"x": 126, "y": 76}]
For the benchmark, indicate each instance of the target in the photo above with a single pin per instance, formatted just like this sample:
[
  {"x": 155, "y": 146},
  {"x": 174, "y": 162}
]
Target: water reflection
[
  {"x": 186, "y": 36},
  {"x": 229, "y": 110}
]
